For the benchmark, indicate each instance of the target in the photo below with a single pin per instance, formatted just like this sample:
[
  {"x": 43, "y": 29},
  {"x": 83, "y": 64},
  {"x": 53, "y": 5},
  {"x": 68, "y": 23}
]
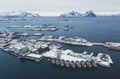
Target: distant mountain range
[
  {"x": 18, "y": 14},
  {"x": 77, "y": 14}
]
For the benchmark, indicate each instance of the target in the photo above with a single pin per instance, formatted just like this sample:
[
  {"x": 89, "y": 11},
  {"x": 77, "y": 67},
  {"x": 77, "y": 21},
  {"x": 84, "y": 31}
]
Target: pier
[
  {"x": 97, "y": 44},
  {"x": 84, "y": 43},
  {"x": 74, "y": 58}
]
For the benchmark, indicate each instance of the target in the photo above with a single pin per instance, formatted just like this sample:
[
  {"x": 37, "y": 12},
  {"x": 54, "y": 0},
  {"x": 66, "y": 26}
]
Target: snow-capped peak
[
  {"x": 89, "y": 14},
  {"x": 71, "y": 14},
  {"x": 18, "y": 14},
  {"x": 77, "y": 14}
]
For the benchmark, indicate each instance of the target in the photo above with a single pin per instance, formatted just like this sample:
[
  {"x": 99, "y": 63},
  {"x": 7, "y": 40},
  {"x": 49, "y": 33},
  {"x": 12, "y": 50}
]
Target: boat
[
  {"x": 93, "y": 64},
  {"x": 57, "y": 61},
  {"x": 88, "y": 63},
  {"x": 83, "y": 64},
  {"x": 44, "y": 27},
  {"x": 72, "y": 63},
  {"x": 46, "y": 38},
  {"x": 74, "y": 41},
  {"x": 113, "y": 46},
  {"x": 117, "y": 48},
  {"x": 37, "y": 34},
  {"x": 104, "y": 60},
  {"x": 78, "y": 64},
  {"x": 69, "y": 26},
  {"x": 62, "y": 62},
  {"x": 25, "y": 34},
  {"x": 66, "y": 29},
  {"x": 53, "y": 61},
  {"x": 67, "y": 63}
]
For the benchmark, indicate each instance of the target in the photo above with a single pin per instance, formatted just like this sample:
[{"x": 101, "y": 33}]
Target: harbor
[
  {"x": 65, "y": 66},
  {"x": 38, "y": 49}
]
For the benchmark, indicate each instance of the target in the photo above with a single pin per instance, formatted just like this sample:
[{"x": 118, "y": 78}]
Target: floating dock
[{"x": 69, "y": 56}]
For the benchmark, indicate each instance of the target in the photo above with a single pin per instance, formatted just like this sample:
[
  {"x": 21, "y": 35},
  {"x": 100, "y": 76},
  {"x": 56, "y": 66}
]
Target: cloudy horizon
[{"x": 56, "y": 7}]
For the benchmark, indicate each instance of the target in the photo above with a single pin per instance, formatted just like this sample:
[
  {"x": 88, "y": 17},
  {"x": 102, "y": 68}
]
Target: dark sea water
[{"x": 97, "y": 29}]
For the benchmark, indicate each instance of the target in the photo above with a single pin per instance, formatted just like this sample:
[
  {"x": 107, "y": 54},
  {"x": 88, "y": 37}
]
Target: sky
[{"x": 56, "y": 7}]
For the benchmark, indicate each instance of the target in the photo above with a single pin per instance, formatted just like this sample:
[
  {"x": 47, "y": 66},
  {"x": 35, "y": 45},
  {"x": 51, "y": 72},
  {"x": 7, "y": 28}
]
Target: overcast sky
[{"x": 55, "y": 7}]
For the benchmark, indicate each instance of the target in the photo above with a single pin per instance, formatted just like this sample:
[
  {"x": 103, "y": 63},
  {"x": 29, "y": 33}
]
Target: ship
[
  {"x": 74, "y": 41},
  {"x": 113, "y": 46}
]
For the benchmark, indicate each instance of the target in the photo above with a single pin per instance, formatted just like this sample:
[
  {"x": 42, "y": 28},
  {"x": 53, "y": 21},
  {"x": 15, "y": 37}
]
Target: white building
[{"x": 18, "y": 48}]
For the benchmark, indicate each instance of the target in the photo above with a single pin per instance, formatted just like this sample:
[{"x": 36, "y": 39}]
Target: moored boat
[
  {"x": 78, "y": 64},
  {"x": 88, "y": 63},
  {"x": 94, "y": 64},
  {"x": 83, "y": 64},
  {"x": 62, "y": 62},
  {"x": 53, "y": 61},
  {"x": 67, "y": 63},
  {"x": 57, "y": 61},
  {"x": 72, "y": 63}
]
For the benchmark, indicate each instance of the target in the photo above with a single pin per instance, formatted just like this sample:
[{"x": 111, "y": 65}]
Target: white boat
[
  {"x": 74, "y": 41},
  {"x": 104, "y": 60}
]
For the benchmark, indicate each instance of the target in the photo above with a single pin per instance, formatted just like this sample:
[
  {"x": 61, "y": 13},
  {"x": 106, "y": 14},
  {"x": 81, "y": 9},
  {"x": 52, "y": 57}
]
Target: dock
[
  {"x": 29, "y": 56},
  {"x": 68, "y": 55},
  {"x": 97, "y": 44},
  {"x": 33, "y": 56}
]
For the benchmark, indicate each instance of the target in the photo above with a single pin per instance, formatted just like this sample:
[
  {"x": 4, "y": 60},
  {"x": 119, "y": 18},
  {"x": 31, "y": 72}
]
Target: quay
[{"x": 69, "y": 57}]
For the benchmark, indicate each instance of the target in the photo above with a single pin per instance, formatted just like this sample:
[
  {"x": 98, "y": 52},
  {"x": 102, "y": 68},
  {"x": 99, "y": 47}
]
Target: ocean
[{"x": 98, "y": 29}]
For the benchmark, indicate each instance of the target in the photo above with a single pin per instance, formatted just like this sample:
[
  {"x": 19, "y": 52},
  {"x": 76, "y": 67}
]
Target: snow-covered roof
[
  {"x": 71, "y": 58},
  {"x": 17, "y": 46},
  {"x": 34, "y": 55}
]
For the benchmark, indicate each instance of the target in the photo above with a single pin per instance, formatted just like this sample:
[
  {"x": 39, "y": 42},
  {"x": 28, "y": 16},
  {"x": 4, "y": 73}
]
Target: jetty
[
  {"x": 67, "y": 57},
  {"x": 71, "y": 41}
]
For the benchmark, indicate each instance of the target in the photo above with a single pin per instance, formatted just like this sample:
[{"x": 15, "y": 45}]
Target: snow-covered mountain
[
  {"x": 71, "y": 14},
  {"x": 77, "y": 14},
  {"x": 89, "y": 14},
  {"x": 18, "y": 14}
]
